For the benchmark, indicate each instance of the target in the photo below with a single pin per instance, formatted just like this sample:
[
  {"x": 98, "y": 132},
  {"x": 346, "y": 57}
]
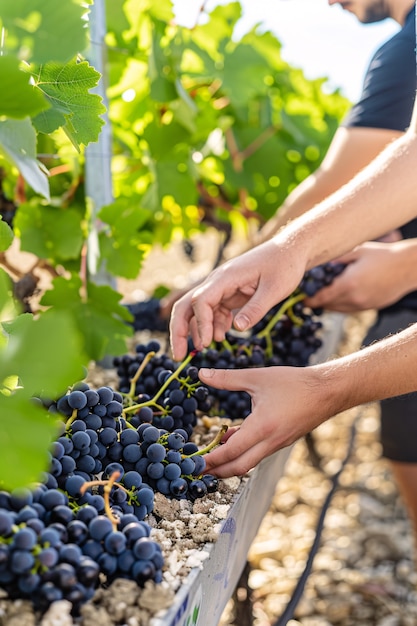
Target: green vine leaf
[
  {"x": 19, "y": 98},
  {"x": 25, "y": 436},
  {"x": 73, "y": 108},
  {"x": 49, "y": 232},
  {"x": 97, "y": 313},
  {"x": 18, "y": 144},
  {"x": 124, "y": 245},
  {"x": 103, "y": 322},
  {"x": 28, "y": 339}
]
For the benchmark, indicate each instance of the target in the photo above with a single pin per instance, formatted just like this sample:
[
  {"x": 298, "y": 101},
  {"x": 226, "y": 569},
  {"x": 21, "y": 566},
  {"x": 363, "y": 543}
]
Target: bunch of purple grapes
[
  {"x": 172, "y": 465},
  {"x": 53, "y": 548},
  {"x": 90, "y": 445},
  {"x": 183, "y": 395},
  {"x": 146, "y": 315},
  {"x": 85, "y": 521},
  {"x": 320, "y": 276}
]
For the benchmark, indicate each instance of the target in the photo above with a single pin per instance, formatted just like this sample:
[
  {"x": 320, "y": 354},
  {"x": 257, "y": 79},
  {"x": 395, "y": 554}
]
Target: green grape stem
[
  {"x": 287, "y": 304},
  {"x": 153, "y": 401},
  {"x": 297, "y": 321},
  {"x": 139, "y": 371},
  {"x": 71, "y": 420},
  {"x": 216, "y": 441},
  {"x": 227, "y": 345}
]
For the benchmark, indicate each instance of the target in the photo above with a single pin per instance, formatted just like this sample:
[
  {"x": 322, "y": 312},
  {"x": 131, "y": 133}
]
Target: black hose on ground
[{"x": 299, "y": 589}]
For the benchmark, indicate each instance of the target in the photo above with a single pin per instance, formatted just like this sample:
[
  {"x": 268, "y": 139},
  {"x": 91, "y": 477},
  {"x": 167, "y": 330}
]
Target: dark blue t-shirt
[{"x": 387, "y": 101}]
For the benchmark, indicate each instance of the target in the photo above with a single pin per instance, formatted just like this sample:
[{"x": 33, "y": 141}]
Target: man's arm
[
  {"x": 380, "y": 198},
  {"x": 288, "y": 402},
  {"x": 350, "y": 150}
]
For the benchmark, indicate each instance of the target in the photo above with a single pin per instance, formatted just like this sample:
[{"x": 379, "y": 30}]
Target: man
[{"x": 382, "y": 114}]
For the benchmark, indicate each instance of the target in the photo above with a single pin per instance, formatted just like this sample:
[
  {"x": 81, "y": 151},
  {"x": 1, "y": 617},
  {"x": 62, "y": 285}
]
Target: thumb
[
  {"x": 233, "y": 380},
  {"x": 255, "y": 309}
]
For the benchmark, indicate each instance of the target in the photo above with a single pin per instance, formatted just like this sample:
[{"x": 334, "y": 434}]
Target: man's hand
[
  {"x": 238, "y": 293},
  {"x": 377, "y": 275},
  {"x": 287, "y": 402}
]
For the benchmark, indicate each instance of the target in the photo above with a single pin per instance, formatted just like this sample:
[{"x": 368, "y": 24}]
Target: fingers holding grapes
[{"x": 286, "y": 404}]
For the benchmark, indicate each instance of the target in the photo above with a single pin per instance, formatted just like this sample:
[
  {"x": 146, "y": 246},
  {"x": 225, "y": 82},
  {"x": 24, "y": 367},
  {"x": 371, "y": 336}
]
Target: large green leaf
[
  {"x": 170, "y": 178},
  {"x": 267, "y": 45},
  {"x": 164, "y": 139},
  {"x": 45, "y": 353},
  {"x": 124, "y": 245},
  {"x": 47, "y": 30},
  {"x": 49, "y": 232},
  {"x": 244, "y": 75},
  {"x": 19, "y": 98},
  {"x": 218, "y": 30},
  {"x": 97, "y": 312},
  {"x": 101, "y": 320},
  {"x": 26, "y": 433},
  {"x": 18, "y": 144},
  {"x": 67, "y": 89},
  {"x": 136, "y": 9}
]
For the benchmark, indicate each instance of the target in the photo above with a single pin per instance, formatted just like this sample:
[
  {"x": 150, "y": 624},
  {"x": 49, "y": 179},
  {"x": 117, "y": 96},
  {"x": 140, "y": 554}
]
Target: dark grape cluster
[
  {"x": 172, "y": 465},
  {"x": 53, "y": 548},
  {"x": 164, "y": 396},
  {"x": 85, "y": 521},
  {"x": 320, "y": 276},
  {"x": 146, "y": 315},
  {"x": 104, "y": 430}
]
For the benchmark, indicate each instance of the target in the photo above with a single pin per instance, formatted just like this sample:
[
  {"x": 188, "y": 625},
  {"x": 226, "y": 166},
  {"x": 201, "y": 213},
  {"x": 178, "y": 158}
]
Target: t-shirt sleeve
[{"x": 389, "y": 86}]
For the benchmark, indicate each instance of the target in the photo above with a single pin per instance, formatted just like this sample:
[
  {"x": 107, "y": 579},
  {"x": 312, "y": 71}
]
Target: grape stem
[
  {"x": 173, "y": 376},
  {"x": 297, "y": 321},
  {"x": 216, "y": 441},
  {"x": 71, "y": 420},
  {"x": 107, "y": 487},
  {"x": 287, "y": 304},
  {"x": 139, "y": 371}
]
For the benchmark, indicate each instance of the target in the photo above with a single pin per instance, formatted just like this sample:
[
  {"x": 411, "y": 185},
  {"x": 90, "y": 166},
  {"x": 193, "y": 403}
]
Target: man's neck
[{"x": 399, "y": 9}]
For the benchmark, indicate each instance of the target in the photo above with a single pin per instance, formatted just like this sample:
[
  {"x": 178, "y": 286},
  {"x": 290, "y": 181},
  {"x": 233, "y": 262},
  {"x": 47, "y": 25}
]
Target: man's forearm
[{"x": 385, "y": 369}]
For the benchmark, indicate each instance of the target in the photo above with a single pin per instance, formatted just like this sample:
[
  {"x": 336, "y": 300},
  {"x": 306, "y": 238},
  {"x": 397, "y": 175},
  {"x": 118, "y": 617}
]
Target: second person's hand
[
  {"x": 287, "y": 403},
  {"x": 377, "y": 275}
]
